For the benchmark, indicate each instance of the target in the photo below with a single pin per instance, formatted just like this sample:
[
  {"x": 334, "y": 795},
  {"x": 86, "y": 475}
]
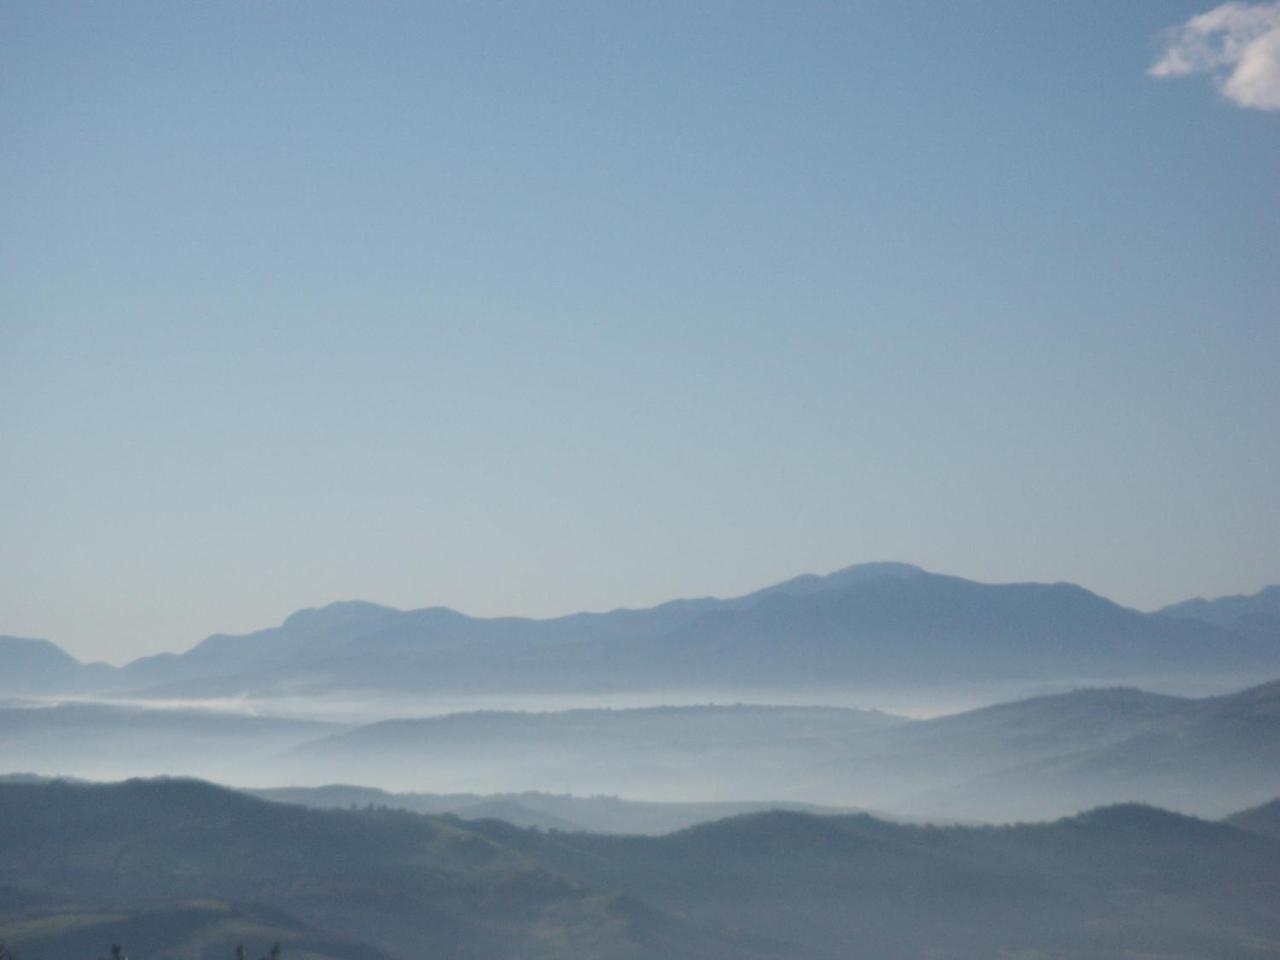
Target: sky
[{"x": 530, "y": 308}]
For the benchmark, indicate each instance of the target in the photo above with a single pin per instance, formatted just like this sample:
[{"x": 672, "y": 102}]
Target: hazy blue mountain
[
  {"x": 1226, "y": 610},
  {"x": 35, "y": 666},
  {"x": 1029, "y": 759},
  {"x": 860, "y": 626},
  {"x": 931, "y": 766},
  {"x": 669, "y": 752},
  {"x": 1257, "y": 615},
  {"x": 932, "y": 626},
  {"x": 306, "y": 633},
  {"x": 364, "y": 646},
  {"x": 1208, "y": 756},
  {"x": 810, "y": 583},
  {"x": 1113, "y": 883}
]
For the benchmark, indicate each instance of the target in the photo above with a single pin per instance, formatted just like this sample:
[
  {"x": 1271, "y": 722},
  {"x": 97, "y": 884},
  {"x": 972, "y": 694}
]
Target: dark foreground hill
[
  {"x": 868, "y": 624},
  {"x": 182, "y": 870}
]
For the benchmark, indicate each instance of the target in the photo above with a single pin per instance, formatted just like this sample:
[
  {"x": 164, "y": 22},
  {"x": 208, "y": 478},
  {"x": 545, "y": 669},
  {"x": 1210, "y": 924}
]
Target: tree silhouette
[{"x": 117, "y": 953}]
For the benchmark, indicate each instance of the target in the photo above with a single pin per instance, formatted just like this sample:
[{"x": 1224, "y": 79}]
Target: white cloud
[{"x": 1237, "y": 44}]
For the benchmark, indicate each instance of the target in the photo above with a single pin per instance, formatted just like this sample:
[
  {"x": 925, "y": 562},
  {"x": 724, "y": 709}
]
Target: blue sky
[{"x": 529, "y": 308}]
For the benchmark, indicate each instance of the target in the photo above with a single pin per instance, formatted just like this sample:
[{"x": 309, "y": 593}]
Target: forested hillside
[{"x": 182, "y": 869}]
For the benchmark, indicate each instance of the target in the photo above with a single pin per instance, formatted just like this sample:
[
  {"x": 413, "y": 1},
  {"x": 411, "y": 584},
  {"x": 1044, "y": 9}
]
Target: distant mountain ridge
[
  {"x": 1026, "y": 759},
  {"x": 1205, "y": 755},
  {"x": 1043, "y": 756},
  {"x": 546, "y": 811},
  {"x": 1227, "y": 609},
  {"x": 1256, "y": 615},
  {"x": 866, "y": 623},
  {"x": 28, "y": 664}
]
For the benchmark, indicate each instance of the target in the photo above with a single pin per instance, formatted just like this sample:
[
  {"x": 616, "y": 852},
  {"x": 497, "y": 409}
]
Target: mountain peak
[
  {"x": 879, "y": 568},
  {"x": 1224, "y": 610},
  {"x": 31, "y": 651},
  {"x": 342, "y": 613},
  {"x": 808, "y": 583}
]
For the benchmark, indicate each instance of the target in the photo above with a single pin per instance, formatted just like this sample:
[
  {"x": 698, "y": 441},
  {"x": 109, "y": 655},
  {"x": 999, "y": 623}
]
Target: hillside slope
[
  {"x": 1034, "y": 758},
  {"x": 410, "y": 885},
  {"x": 1109, "y": 884}
]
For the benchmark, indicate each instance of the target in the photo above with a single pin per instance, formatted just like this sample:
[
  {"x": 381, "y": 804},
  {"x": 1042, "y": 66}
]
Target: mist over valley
[
  {"x": 639, "y": 480},
  {"x": 281, "y": 713}
]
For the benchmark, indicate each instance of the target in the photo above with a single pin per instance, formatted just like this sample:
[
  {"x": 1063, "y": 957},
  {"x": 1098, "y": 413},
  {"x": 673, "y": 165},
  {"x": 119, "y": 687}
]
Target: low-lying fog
[
  {"x": 920, "y": 703},
  {"x": 913, "y": 752}
]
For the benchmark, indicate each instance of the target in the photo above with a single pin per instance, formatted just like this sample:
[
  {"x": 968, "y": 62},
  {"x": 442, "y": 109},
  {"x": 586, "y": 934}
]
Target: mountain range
[
  {"x": 1031, "y": 758},
  {"x": 867, "y": 624},
  {"x": 181, "y": 870},
  {"x": 1257, "y": 615},
  {"x": 546, "y": 811},
  {"x": 1034, "y": 758}
]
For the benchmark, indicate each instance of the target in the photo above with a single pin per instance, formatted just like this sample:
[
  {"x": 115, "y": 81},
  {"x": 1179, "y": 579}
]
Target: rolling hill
[
  {"x": 546, "y": 811},
  {"x": 1033, "y": 758},
  {"x": 1053, "y": 756},
  {"x": 1115, "y": 882}
]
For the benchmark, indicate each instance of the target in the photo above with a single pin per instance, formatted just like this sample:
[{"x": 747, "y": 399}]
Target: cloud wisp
[{"x": 1237, "y": 45}]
